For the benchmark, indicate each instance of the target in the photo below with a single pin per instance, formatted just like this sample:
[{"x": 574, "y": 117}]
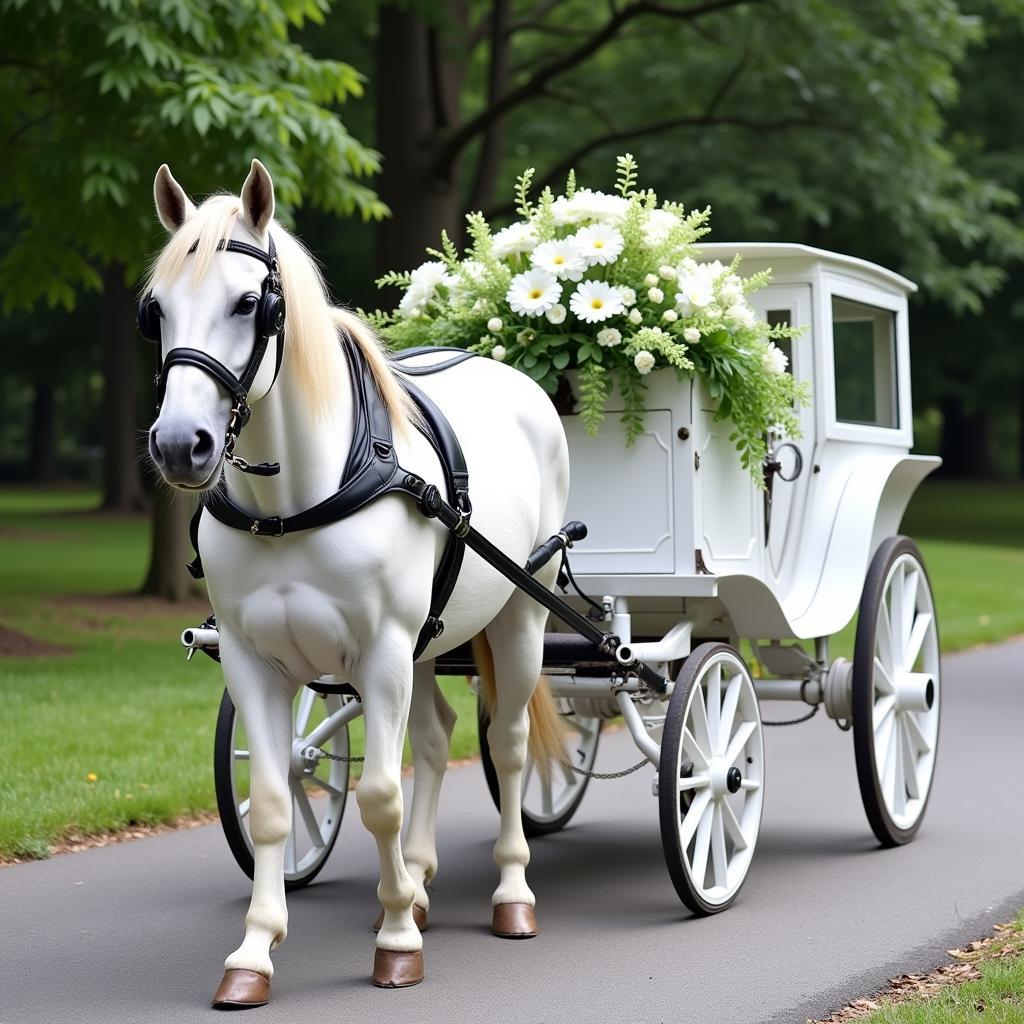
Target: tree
[{"x": 98, "y": 94}]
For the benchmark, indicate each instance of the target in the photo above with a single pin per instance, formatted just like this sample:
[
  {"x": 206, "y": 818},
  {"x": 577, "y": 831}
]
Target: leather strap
[{"x": 461, "y": 355}]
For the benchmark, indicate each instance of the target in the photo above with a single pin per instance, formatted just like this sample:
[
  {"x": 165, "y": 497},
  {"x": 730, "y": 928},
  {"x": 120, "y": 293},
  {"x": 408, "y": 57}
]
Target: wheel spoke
[
  {"x": 908, "y": 597},
  {"x": 692, "y": 747},
  {"x": 305, "y": 707},
  {"x": 699, "y": 722},
  {"x": 714, "y": 708},
  {"x": 241, "y": 755},
  {"x": 692, "y": 817},
  {"x": 546, "y": 797},
  {"x": 693, "y": 782},
  {"x": 921, "y": 626},
  {"x": 750, "y": 784},
  {"x": 919, "y": 744},
  {"x": 702, "y": 845},
  {"x": 884, "y": 707},
  {"x": 883, "y": 639},
  {"x": 739, "y": 741},
  {"x": 325, "y": 785},
  {"x": 306, "y": 811},
  {"x": 729, "y": 706},
  {"x": 909, "y": 763},
  {"x": 732, "y": 826},
  {"x": 883, "y": 681},
  {"x": 883, "y": 743},
  {"x": 571, "y": 778},
  {"x": 897, "y": 637},
  {"x": 719, "y": 859},
  {"x": 899, "y": 791}
]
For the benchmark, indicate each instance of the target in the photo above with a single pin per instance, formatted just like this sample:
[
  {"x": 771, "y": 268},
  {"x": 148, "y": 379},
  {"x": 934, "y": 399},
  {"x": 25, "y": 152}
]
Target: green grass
[
  {"x": 125, "y": 707},
  {"x": 997, "y": 997}
]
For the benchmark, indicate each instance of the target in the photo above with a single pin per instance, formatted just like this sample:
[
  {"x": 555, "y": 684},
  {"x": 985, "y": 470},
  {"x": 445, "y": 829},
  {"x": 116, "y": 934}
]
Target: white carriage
[{"x": 684, "y": 560}]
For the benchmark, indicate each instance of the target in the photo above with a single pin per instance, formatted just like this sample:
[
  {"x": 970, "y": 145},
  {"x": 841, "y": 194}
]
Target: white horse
[{"x": 349, "y": 599}]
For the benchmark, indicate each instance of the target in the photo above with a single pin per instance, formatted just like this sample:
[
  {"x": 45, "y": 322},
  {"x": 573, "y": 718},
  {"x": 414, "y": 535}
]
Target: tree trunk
[
  {"x": 966, "y": 442},
  {"x": 419, "y": 80},
  {"x": 1020, "y": 427},
  {"x": 41, "y": 452},
  {"x": 169, "y": 548},
  {"x": 122, "y": 487}
]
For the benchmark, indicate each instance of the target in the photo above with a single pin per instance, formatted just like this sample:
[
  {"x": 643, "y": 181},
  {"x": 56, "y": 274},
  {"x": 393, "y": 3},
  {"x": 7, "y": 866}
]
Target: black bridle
[{"x": 269, "y": 321}]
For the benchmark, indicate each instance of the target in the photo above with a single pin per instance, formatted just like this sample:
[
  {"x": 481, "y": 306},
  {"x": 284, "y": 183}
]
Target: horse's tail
[{"x": 547, "y": 733}]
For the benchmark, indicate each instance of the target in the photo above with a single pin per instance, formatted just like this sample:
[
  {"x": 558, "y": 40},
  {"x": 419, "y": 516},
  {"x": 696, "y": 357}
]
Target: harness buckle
[
  {"x": 435, "y": 626},
  {"x": 256, "y": 527}
]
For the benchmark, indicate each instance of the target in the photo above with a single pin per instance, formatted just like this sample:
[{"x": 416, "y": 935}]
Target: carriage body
[{"x": 676, "y": 517}]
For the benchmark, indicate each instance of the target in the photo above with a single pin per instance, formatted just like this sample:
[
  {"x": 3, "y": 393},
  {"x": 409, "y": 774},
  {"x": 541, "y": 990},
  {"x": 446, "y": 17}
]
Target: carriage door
[{"x": 784, "y": 512}]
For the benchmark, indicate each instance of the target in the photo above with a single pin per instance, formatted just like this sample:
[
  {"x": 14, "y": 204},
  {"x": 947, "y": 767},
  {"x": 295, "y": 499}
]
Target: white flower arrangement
[{"x": 612, "y": 286}]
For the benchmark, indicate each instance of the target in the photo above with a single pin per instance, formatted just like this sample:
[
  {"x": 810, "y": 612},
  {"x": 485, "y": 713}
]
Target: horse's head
[{"x": 210, "y": 304}]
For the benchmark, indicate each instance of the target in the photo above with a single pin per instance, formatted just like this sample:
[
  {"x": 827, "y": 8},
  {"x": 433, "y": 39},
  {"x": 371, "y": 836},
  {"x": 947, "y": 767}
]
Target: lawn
[{"x": 120, "y": 729}]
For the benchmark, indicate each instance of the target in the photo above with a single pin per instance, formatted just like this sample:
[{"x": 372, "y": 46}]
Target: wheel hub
[
  {"x": 733, "y": 779},
  {"x": 725, "y": 778},
  {"x": 915, "y": 691}
]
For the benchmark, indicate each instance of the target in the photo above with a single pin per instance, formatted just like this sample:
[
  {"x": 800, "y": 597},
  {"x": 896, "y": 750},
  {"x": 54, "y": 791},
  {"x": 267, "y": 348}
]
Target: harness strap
[{"x": 461, "y": 355}]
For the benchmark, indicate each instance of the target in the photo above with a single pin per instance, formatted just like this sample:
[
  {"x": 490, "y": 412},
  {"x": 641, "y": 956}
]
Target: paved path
[{"x": 137, "y": 932}]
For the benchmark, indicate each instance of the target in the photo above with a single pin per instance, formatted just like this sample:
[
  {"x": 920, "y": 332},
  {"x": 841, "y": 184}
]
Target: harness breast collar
[{"x": 371, "y": 471}]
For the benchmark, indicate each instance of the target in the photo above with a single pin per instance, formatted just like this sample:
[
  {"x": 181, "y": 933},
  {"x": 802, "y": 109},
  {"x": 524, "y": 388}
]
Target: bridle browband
[{"x": 269, "y": 320}]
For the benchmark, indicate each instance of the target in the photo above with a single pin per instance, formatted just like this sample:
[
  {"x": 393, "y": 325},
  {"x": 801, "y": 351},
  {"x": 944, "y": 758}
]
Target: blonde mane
[{"x": 312, "y": 349}]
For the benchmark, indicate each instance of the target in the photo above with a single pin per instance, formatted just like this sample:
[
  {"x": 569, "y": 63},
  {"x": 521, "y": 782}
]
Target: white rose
[
  {"x": 628, "y": 295},
  {"x": 609, "y": 337},
  {"x": 495, "y": 324},
  {"x": 774, "y": 360},
  {"x": 741, "y": 315},
  {"x": 650, "y": 280},
  {"x": 498, "y": 352},
  {"x": 667, "y": 273},
  {"x": 656, "y": 295},
  {"x": 670, "y": 316},
  {"x": 556, "y": 314},
  {"x": 636, "y": 317},
  {"x": 643, "y": 361},
  {"x": 691, "y": 335}
]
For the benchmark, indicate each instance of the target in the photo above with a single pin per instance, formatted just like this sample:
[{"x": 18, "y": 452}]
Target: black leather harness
[{"x": 371, "y": 471}]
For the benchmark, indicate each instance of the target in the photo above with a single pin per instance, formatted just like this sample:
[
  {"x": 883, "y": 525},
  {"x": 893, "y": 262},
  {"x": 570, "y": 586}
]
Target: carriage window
[
  {"x": 864, "y": 346},
  {"x": 782, "y": 318}
]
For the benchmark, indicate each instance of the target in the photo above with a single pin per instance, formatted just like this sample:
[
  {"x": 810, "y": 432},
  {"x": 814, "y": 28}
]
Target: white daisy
[
  {"x": 429, "y": 275},
  {"x": 561, "y": 258},
  {"x": 773, "y": 359},
  {"x": 556, "y": 314},
  {"x": 598, "y": 244},
  {"x": 609, "y": 337},
  {"x": 594, "y": 301},
  {"x": 533, "y": 293},
  {"x": 643, "y": 361},
  {"x": 516, "y": 238}
]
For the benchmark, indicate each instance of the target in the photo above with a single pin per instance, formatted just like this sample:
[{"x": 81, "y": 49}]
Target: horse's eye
[{"x": 246, "y": 305}]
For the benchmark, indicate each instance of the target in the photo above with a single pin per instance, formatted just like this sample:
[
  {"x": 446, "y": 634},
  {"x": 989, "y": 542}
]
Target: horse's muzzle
[{"x": 185, "y": 458}]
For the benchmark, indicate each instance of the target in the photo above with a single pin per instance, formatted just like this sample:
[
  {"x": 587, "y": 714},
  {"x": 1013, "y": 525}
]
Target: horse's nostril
[
  {"x": 202, "y": 449},
  {"x": 154, "y": 448}
]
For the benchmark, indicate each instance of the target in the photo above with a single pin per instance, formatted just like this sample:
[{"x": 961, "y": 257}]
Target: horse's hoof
[
  {"x": 419, "y": 916},
  {"x": 514, "y": 921},
  {"x": 393, "y": 968},
  {"x": 241, "y": 990}
]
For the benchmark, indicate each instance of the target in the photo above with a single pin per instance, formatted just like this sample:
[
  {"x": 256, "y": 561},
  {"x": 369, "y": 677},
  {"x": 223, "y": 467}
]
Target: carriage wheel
[
  {"x": 711, "y": 778},
  {"x": 548, "y": 805},
  {"x": 896, "y": 692},
  {"x": 318, "y": 800}
]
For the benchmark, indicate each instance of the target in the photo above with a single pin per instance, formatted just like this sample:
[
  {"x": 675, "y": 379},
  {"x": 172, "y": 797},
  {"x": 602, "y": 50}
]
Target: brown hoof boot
[
  {"x": 514, "y": 921},
  {"x": 240, "y": 990},
  {"x": 393, "y": 968},
  {"x": 419, "y": 916}
]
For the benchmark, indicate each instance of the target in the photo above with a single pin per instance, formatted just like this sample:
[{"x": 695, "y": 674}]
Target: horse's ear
[
  {"x": 173, "y": 207},
  {"x": 258, "y": 199}
]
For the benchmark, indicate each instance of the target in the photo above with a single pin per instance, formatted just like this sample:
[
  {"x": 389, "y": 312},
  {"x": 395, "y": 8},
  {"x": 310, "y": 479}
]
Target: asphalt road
[{"x": 138, "y": 932}]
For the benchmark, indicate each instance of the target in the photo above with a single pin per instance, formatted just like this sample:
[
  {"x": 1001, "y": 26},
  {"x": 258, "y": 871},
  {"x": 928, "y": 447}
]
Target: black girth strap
[{"x": 371, "y": 471}]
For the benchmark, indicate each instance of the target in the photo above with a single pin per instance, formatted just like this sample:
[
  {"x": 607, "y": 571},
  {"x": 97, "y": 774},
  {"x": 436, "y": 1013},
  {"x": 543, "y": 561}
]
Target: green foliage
[
  {"x": 98, "y": 94},
  {"x": 659, "y": 307}
]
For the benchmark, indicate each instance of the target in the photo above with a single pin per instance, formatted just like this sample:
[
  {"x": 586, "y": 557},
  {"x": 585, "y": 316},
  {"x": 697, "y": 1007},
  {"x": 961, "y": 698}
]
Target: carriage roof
[{"x": 786, "y": 257}]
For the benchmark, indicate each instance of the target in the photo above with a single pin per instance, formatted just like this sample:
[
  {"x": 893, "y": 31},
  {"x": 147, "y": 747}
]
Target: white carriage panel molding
[{"x": 637, "y": 502}]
